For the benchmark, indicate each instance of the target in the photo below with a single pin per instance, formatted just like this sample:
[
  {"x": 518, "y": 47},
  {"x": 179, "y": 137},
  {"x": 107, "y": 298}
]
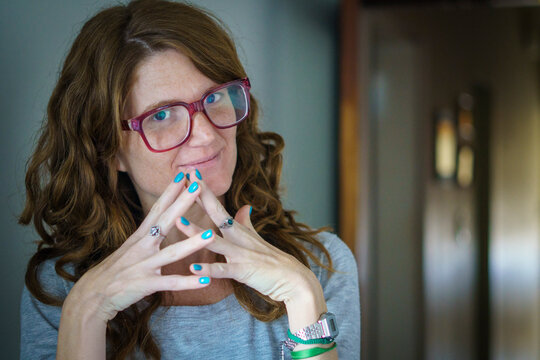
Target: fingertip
[
  {"x": 204, "y": 280},
  {"x": 244, "y": 214},
  {"x": 193, "y": 187},
  {"x": 179, "y": 177},
  {"x": 178, "y": 223},
  {"x": 207, "y": 235},
  {"x": 247, "y": 209}
]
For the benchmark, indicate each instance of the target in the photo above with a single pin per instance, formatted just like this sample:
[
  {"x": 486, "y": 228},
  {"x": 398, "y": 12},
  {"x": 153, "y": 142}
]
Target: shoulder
[
  {"x": 340, "y": 254},
  {"x": 342, "y": 258},
  {"x": 52, "y": 283},
  {"x": 342, "y": 294},
  {"x": 40, "y": 321}
]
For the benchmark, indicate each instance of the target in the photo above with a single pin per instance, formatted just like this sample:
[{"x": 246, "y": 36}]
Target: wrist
[
  {"x": 306, "y": 305},
  {"x": 82, "y": 333},
  {"x": 86, "y": 308}
]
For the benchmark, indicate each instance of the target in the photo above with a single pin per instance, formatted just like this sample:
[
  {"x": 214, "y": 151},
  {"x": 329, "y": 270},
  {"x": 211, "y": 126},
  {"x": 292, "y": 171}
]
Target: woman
[{"x": 156, "y": 199}]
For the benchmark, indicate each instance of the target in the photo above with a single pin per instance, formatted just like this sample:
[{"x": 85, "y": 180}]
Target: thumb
[{"x": 243, "y": 216}]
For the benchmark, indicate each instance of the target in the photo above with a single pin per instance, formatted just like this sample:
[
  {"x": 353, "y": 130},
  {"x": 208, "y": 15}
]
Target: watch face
[{"x": 333, "y": 326}]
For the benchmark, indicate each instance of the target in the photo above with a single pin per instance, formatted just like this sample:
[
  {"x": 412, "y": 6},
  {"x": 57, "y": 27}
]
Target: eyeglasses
[{"x": 169, "y": 126}]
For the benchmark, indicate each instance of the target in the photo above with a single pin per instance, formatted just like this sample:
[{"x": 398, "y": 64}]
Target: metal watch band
[
  {"x": 325, "y": 330},
  {"x": 325, "y": 327},
  {"x": 314, "y": 331}
]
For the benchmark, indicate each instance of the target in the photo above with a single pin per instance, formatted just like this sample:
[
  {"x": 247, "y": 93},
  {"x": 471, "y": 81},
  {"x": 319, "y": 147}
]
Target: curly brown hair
[{"x": 84, "y": 209}]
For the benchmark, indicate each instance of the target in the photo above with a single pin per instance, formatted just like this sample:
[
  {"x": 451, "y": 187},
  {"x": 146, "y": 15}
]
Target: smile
[{"x": 203, "y": 162}]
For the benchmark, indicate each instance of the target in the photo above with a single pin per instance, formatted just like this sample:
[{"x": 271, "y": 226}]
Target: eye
[
  {"x": 161, "y": 115},
  {"x": 213, "y": 98}
]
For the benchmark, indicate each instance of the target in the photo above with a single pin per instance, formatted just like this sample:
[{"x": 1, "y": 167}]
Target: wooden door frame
[{"x": 348, "y": 123}]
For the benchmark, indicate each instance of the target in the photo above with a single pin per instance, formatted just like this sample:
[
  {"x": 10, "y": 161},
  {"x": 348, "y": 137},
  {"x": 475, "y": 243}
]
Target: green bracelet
[
  {"x": 307, "y": 353},
  {"x": 297, "y": 340}
]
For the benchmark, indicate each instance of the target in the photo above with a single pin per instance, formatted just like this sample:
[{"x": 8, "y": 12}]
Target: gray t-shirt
[{"x": 223, "y": 330}]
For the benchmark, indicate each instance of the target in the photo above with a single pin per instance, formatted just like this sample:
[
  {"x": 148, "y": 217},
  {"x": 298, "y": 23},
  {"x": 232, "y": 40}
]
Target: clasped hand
[{"x": 133, "y": 271}]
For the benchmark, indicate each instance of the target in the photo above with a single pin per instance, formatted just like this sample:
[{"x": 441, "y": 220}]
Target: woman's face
[{"x": 169, "y": 76}]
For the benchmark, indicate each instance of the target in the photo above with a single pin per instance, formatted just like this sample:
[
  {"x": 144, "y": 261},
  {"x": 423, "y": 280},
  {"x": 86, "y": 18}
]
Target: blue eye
[
  {"x": 211, "y": 99},
  {"x": 160, "y": 115}
]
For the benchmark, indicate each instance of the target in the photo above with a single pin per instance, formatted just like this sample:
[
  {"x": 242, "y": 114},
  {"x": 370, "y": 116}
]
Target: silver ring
[
  {"x": 227, "y": 223},
  {"x": 156, "y": 231}
]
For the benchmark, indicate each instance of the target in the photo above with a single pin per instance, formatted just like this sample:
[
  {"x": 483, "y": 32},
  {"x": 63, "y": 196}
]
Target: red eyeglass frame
[{"x": 135, "y": 124}]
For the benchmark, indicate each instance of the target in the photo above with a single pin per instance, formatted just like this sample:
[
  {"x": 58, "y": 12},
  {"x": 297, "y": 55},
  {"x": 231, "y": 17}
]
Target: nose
[{"x": 202, "y": 131}]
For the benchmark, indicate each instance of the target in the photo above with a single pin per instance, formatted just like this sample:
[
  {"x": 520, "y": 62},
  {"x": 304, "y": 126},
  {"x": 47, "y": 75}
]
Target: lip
[{"x": 203, "y": 162}]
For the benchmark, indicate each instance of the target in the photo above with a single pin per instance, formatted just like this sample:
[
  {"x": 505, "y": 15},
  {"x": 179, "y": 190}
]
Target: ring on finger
[
  {"x": 227, "y": 223},
  {"x": 155, "y": 231}
]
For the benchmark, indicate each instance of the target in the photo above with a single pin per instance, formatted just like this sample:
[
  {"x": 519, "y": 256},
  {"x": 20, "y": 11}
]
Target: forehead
[{"x": 165, "y": 75}]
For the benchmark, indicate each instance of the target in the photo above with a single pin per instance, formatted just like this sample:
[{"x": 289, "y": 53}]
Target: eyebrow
[
  {"x": 160, "y": 104},
  {"x": 170, "y": 101}
]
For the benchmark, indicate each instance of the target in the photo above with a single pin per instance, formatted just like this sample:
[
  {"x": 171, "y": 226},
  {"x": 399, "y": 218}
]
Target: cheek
[
  {"x": 231, "y": 151},
  {"x": 220, "y": 183},
  {"x": 150, "y": 172}
]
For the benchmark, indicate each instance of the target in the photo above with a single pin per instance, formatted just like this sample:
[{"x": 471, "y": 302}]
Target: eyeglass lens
[{"x": 169, "y": 127}]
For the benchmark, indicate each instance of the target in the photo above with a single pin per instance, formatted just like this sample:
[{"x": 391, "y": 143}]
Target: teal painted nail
[
  {"x": 250, "y": 209},
  {"x": 204, "y": 280},
  {"x": 187, "y": 176},
  {"x": 198, "y": 174},
  {"x": 184, "y": 221},
  {"x": 208, "y": 233},
  {"x": 193, "y": 187},
  {"x": 179, "y": 177},
  {"x": 197, "y": 267}
]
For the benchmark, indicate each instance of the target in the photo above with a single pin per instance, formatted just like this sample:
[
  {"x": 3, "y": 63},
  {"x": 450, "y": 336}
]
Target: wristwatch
[
  {"x": 326, "y": 327},
  {"x": 324, "y": 331}
]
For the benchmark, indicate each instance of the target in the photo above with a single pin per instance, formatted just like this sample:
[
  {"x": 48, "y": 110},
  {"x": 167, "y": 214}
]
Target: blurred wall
[
  {"x": 423, "y": 298},
  {"x": 289, "y": 50}
]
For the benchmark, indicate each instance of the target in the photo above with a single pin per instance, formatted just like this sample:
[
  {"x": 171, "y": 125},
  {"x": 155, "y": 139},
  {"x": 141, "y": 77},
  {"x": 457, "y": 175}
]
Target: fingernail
[
  {"x": 179, "y": 177},
  {"x": 187, "y": 176},
  {"x": 184, "y": 221},
  {"x": 207, "y": 234},
  {"x": 197, "y": 267},
  {"x": 250, "y": 210},
  {"x": 204, "y": 280},
  {"x": 198, "y": 174},
  {"x": 193, "y": 187}
]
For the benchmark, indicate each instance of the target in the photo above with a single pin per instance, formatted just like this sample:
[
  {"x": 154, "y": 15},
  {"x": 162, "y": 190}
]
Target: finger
[
  {"x": 243, "y": 216},
  {"x": 219, "y": 245},
  {"x": 179, "y": 250},
  {"x": 186, "y": 226},
  {"x": 234, "y": 271},
  {"x": 182, "y": 203},
  {"x": 176, "y": 282},
  {"x": 236, "y": 233},
  {"x": 213, "y": 207},
  {"x": 170, "y": 194},
  {"x": 244, "y": 228}
]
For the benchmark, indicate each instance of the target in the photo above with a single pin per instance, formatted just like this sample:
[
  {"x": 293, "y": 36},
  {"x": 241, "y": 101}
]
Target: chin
[{"x": 219, "y": 187}]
